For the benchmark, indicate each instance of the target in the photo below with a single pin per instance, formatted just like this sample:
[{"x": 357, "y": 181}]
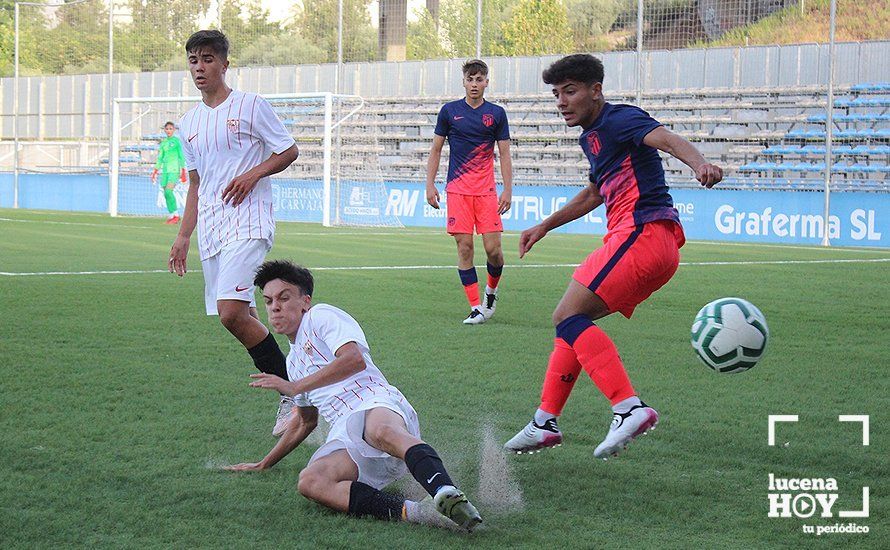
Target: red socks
[
  {"x": 599, "y": 357},
  {"x": 562, "y": 371},
  {"x": 582, "y": 344},
  {"x": 471, "y": 286}
]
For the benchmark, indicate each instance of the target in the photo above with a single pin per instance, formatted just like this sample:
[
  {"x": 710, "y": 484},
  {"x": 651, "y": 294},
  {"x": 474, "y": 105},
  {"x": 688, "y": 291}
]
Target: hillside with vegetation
[{"x": 855, "y": 21}]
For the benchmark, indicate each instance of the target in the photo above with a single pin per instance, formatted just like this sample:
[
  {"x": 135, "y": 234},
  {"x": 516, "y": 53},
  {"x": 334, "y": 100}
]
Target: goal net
[{"x": 335, "y": 181}]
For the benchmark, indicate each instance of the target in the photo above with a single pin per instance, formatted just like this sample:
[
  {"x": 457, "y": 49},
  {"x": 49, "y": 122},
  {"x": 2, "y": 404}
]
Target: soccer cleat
[
  {"x": 475, "y": 317},
  {"x": 625, "y": 427},
  {"x": 533, "y": 438},
  {"x": 453, "y": 504},
  {"x": 176, "y": 219},
  {"x": 172, "y": 220},
  {"x": 424, "y": 512},
  {"x": 489, "y": 304},
  {"x": 285, "y": 406}
]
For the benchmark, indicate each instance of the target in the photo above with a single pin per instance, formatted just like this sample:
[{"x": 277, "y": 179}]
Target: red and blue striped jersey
[
  {"x": 627, "y": 173},
  {"x": 471, "y": 135}
]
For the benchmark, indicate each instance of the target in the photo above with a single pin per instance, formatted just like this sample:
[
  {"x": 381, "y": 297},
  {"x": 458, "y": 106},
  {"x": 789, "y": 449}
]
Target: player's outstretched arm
[
  {"x": 242, "y": 185},
  {"x": 432, "y": 168},
  {"x": 582, "y": 203},
  {"x": 664, "y": 140},
  {"x": 506, "y": 198},
  {"x": 180, "y": 249},
  {"x": 302, "y": 422},
  {"x": 347, "y": 361}
]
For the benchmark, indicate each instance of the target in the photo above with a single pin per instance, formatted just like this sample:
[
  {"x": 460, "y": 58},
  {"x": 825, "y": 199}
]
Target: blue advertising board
[
  {"x": 857, "y": 219},
  {"x": 791, "y": 217}
]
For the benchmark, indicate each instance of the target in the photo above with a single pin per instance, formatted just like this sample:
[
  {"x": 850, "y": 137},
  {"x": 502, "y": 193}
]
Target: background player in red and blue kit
[
  {"x": 472, "y": 127},
  {"x": 640, "y": 251}
]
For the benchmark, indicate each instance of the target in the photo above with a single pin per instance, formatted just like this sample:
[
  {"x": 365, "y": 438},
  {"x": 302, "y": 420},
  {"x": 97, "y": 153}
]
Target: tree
[
  {"x": 246, "y": 23},
  {"x": 537, "y": 27},
  {"x": 318, "y": 20},
  {"x": 281, "y": 49},
  {"x": 424, "y": 40},
  {"x": 591, "y": 20},
  {"x": 458, "y": 19},
  {"x": 157, "y": 32}
]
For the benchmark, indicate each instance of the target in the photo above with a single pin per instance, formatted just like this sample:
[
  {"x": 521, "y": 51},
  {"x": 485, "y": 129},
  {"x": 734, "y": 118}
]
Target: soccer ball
[{"x": 729, "y": 335}]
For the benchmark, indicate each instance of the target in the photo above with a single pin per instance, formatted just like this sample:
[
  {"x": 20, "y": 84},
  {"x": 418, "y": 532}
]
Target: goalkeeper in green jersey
[{"x": 170, "y": 166}]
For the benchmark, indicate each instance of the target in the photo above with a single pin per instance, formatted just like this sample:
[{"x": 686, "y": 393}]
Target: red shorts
[
  {"x": 633, "y": 263},
  {"x": 468, "y": 211}
]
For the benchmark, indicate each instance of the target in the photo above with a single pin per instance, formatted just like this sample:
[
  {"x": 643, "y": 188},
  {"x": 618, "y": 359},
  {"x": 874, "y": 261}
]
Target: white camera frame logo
[{"x": 794, "y": 500}]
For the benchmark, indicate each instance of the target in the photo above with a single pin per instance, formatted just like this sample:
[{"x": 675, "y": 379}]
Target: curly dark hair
[
  {"x": 288, "y": 272},
  {"x": 212, "y": 40},
  {"x": 580, "y": 67}
]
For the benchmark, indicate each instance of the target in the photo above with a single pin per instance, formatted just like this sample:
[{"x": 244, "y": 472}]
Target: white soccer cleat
[
  {"x": 453, "y": 504},
  {"x": 475, "y": 317},
  {"x": 625, "y": 427},
  {"x": 424, "y": 512},
  {"x": 285, "y": 406},
  {"x": 489, "y": 304},
  {"x": 533, "y": 438}
]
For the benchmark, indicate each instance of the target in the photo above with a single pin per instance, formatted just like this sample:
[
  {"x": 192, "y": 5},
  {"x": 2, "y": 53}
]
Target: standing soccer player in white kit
[
  {"x": 375, "y": 435},
  {"x": 232, "y": 142}
]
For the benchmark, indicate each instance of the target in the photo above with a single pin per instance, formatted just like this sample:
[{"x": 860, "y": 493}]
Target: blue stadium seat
[
  {"x": 870, "y": 168},
  {"x": 809, "y": 167},
  {"x": 871, "y": 101},
  {"x": 781, "y": 150},
  {"x": 800, "y": 133},
  {"x": 852, "y": 117},
  {"x": 813, "y": 150},
  {"x": 871, "y": 150},
  {"x": 871, "y": 87}
]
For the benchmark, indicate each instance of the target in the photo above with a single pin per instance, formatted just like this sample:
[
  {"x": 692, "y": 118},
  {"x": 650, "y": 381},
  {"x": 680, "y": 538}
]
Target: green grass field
[{"x": 120, "y": 398}]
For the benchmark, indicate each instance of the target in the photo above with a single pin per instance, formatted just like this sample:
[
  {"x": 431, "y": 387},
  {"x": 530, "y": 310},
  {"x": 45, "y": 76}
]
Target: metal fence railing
[{"x": 63, "y": 63}]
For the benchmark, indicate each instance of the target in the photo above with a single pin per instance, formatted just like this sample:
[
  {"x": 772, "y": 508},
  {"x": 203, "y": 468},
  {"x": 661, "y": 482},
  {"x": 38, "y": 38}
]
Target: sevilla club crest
[
  {"x": 233, "y": 124},
  {"x": 487, "y": 120},
  {"x": 593, "y": 143}
]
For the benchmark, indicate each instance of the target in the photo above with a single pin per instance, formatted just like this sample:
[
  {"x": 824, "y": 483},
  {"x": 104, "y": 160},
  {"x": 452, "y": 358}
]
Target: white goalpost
[{"x": 335, "y": 181}]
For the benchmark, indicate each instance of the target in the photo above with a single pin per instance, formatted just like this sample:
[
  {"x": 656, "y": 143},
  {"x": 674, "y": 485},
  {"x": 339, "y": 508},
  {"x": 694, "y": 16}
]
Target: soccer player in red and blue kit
[
  {"x": 640, "y": 251},
  {"x": 472, "y": 127}
]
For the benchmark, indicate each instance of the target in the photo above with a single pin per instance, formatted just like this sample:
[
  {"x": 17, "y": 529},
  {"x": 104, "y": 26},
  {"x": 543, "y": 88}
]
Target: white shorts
[
  {"x": 229, "y": 274},
  {"x": 375, "y": 467}
]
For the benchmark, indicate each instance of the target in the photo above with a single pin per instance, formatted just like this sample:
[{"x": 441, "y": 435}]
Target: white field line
[
  {"x": 433, "y": 231},
  {"x": 421, "y": 267}
]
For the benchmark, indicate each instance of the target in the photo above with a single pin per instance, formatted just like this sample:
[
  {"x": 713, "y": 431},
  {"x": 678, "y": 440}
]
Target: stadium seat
[
  {"x": 880, "y": 101},
  {"x": 871, "y": 87}
]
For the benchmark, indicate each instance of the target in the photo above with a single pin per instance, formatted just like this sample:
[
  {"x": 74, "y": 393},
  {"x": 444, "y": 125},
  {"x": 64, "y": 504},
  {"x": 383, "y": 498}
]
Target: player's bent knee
[
  {"x": 310, "y": 483},
  {"x": 232, "y": 318},
  {"x": 380, "y": 434}
]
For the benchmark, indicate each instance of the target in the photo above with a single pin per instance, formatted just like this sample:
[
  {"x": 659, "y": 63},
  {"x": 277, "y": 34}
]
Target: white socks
[{"x": 542, "y": 416}]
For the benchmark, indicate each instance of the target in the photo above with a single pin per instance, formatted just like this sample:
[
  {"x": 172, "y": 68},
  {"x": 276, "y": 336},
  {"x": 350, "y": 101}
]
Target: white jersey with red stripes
[
  {"x": 323, "y": 330},
  {"x": 225, "y": 142}
]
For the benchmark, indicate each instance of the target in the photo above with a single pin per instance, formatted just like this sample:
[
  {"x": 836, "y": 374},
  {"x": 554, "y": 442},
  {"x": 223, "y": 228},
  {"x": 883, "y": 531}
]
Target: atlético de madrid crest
[
  {"x": 233, "y": 124},
  {"x": 487, "y": 120},
  {"x": 593, "y": 143}
]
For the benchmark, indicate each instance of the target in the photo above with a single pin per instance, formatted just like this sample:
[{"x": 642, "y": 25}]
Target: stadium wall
[
  {"x": 75, "y": 107},
  {"x": 789, "y": 217}
]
